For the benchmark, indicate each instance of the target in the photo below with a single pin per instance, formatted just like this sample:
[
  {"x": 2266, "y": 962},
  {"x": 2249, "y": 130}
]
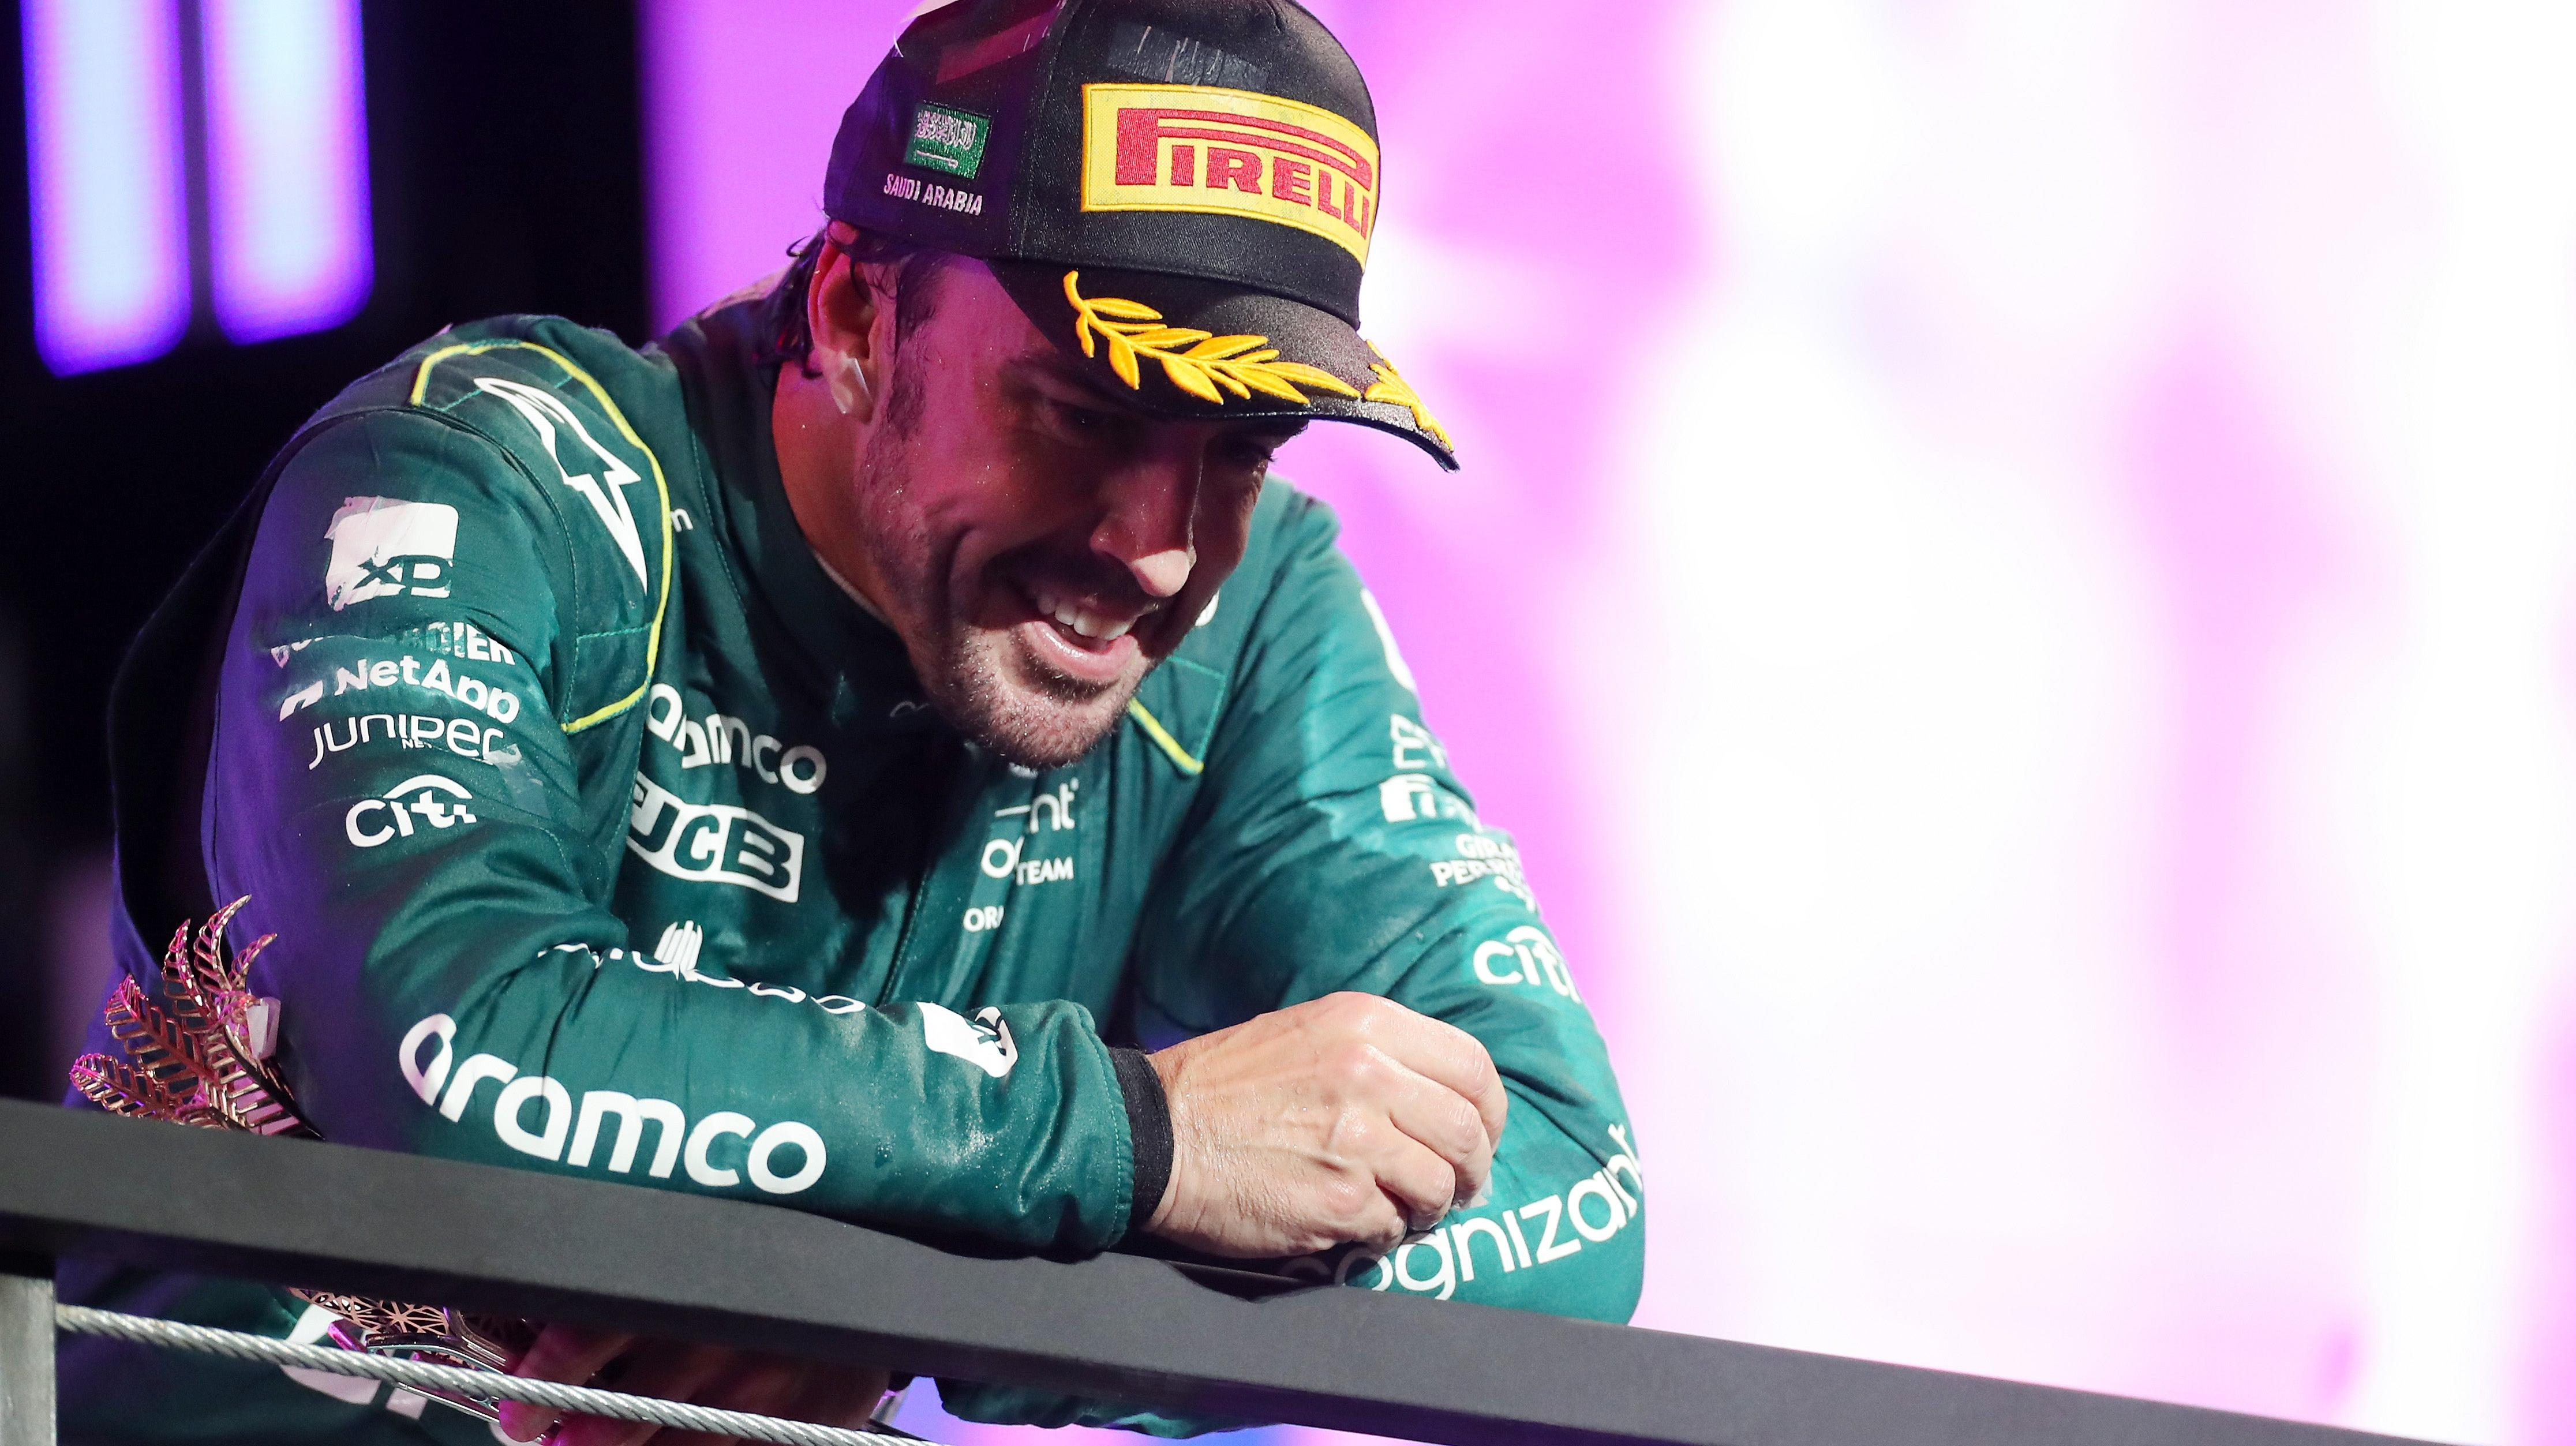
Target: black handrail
[{"x": 1200, "y": 1340}]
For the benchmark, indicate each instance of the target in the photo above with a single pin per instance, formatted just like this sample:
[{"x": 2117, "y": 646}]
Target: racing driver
[{"x": 887, "y": 749}]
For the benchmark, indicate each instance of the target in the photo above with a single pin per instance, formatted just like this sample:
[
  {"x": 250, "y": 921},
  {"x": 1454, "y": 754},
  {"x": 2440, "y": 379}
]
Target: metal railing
[{"x": 1191, "y": 1338}]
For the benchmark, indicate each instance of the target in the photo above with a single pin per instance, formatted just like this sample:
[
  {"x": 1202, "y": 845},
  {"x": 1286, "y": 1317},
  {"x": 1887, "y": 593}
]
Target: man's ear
[{"x": 843, "y": 314}]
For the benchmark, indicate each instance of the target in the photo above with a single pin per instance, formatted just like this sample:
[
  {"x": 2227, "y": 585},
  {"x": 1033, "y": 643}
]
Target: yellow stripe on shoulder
[
  {"x": 661, "y": 490},
  {"x": 1164, "y": 740}
]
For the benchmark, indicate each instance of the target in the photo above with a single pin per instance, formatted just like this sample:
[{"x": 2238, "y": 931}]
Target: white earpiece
[{"x": 840, "y": 379}]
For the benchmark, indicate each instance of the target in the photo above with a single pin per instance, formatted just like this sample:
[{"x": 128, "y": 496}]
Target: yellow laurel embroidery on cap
[
  {"x": 1238, "y": 364},
  {"x": 1393, "y": 388}
]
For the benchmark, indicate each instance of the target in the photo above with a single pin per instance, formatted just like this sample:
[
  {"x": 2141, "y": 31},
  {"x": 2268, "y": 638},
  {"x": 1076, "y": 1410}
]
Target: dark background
[{"x": 505, "y": 154}]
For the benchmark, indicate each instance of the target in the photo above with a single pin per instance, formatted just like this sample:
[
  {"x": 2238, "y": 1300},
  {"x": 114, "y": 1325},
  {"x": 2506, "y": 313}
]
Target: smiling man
[{"x": 888, "y": 749}]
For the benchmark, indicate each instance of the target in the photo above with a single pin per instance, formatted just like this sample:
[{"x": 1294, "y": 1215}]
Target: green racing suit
[{"x": 603, "y": 833}]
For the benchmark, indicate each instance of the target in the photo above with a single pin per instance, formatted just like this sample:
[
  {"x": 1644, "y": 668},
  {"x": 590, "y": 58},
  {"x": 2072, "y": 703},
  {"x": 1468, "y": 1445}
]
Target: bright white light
[
  {"x": 287, "y": 162},
  {"x": 104, "y": 173}
]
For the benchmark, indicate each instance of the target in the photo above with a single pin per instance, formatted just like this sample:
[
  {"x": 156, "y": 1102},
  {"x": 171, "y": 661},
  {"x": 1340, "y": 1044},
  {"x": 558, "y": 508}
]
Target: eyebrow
[{"x": 1057, "y": 367}]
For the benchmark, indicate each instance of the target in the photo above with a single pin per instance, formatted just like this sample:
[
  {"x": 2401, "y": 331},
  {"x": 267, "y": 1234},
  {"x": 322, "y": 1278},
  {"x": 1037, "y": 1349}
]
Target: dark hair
[{"x": 789, "y": 337}]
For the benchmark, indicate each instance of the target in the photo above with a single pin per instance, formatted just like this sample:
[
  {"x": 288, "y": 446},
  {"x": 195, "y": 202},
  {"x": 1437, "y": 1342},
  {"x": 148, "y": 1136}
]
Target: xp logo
[
  {"x": 423, "y": 800},
  {"x": 383, "y": 547}
]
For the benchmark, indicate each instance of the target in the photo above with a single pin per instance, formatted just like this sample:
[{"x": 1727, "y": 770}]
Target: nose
[
  {"x": 1166, "y": 572},
  {"x": 1146, "y": 525}
]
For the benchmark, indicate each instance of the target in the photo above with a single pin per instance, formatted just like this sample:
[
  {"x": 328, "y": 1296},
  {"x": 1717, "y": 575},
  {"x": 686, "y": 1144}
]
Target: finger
[
  {"x": 1418, "y": 1184},
  {"x": 760, "y": 1384},
  {"x": 793, "y": 1390},
  {"x": 671, "y": 1370},
  {"x": 838, "y": 1396},
  {"x": 1448, "y": 1125},
  {"x": 1444, "y": 1053},
  {"x": 1376, "y": 1224},
  {"x": 567, "y": 1355}
]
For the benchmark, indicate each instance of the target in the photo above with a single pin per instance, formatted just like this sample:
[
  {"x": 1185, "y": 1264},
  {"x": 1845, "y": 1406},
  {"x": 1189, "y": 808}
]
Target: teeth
[
  {"x": 1089, "y": 626},
  {"x": 1074, "y": 619}
]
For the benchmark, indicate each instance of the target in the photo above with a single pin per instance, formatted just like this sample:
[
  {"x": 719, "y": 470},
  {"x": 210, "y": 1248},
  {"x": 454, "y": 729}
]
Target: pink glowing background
[{"x": 2014, "y": 578}]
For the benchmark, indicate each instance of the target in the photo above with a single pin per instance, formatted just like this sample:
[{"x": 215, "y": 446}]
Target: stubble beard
[{"x": 1041, "y": 721}]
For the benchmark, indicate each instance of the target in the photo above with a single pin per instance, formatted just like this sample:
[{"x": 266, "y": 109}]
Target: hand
[
  {"x": 729, "y": 1380},
  {"x": 1346, "y": 1118}
]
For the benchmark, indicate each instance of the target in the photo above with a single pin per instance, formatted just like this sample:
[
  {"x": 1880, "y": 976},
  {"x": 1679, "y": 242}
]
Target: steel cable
[{"x": 422, "y": 1376}]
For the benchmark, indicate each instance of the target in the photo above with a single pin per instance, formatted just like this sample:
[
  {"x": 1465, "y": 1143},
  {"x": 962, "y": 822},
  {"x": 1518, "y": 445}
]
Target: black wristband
[{"x": 1149, "y": 1125}]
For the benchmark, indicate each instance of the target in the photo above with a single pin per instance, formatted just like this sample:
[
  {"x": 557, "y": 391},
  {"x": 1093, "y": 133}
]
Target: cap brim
[{"x": 1179, "y": 346}]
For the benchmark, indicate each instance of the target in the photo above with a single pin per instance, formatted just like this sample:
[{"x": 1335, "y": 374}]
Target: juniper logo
[
  {"x": 384, "y": 547},
  {"x": 948, "y": 141}
]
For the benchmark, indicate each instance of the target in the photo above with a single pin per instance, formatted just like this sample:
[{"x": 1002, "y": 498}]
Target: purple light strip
[
  {"x": 286, "y": 128},
  {"x": 105, "y": 179},
  {"x": 740, "y": 106}
]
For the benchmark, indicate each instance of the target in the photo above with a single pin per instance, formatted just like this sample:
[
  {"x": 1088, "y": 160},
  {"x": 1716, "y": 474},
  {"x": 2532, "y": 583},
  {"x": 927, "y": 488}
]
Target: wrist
[
  {"x": 1167, "y": 1072},
  {"x": 1144, "y": 1090}
]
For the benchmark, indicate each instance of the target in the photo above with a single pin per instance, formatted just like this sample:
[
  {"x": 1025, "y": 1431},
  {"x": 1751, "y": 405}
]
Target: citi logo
[
  {"x": 1523, "y": 956},
  {"x": 1409, "y": 796},
  {"x": 424, "y": 801}
]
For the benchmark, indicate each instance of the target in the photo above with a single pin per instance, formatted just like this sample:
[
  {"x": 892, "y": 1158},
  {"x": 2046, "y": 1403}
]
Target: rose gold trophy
[{"x": 206, "y": 1056}]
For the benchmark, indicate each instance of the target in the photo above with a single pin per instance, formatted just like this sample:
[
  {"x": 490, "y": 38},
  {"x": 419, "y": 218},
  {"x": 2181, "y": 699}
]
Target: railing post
[{"x": 26, "y": 1351}]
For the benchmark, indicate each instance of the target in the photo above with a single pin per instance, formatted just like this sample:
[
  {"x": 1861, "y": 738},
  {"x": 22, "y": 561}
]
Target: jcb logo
[{"x": 714, "y": 843}]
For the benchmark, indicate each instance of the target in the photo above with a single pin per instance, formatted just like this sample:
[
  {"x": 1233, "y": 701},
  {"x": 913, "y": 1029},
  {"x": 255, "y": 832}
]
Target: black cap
[{"x": 1181, "y": 191}]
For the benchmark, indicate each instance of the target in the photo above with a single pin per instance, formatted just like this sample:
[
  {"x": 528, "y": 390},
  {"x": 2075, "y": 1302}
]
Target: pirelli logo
[{"x": 1224, "y": 152}]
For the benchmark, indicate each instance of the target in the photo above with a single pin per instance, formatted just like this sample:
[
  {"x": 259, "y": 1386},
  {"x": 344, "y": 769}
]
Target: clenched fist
[{"x": 1344, "y": 1119}]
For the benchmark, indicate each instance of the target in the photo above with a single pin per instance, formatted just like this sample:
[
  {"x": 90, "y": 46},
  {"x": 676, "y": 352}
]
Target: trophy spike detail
[{"x": 206, "y": 1055}]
